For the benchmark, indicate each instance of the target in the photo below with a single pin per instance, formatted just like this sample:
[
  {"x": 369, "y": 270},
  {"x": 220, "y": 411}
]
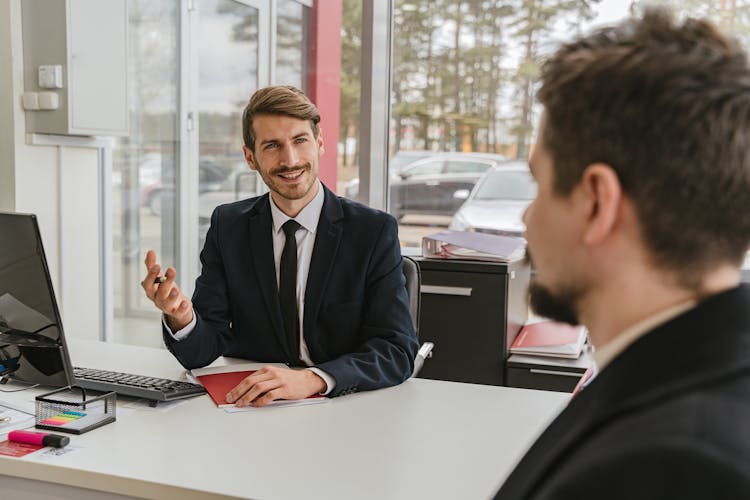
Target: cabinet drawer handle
[
  {"x": 555, "y": 372},
  {"x": 446, "y": 290}
]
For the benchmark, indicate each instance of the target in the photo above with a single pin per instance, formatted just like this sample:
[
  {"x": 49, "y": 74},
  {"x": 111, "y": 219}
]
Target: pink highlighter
[{"x": 38, "y": 438}]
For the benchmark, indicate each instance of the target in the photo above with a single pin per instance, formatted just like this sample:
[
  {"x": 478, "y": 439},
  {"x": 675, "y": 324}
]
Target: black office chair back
[
  {"x": 413, "y": 290},
  {"x": 413, "y": 283}
]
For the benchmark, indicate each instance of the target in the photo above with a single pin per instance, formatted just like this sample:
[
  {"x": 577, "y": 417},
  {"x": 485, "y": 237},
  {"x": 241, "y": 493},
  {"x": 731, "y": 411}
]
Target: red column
[{"x": 324, "y": 80}]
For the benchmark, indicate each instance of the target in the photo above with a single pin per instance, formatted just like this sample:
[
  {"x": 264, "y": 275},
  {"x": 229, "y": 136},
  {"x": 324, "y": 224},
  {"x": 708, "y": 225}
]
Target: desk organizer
[{"x": 70, "y": 410}]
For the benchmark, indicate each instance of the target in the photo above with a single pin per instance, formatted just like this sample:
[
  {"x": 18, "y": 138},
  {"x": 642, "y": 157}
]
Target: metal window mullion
[
  {"x": 266, "y": 40},
  {"x": 187, "y": 261},
  {"x": 106, "y": 242},
  {"x": 272, "y": 34},
  {"x": 375, "y": 102}
]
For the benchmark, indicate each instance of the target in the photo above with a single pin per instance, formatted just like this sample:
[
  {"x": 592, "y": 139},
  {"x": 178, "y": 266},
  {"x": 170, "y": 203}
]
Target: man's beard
[
  {"x": 283, "y": 190},
  {"x": 557, "y": 305}
]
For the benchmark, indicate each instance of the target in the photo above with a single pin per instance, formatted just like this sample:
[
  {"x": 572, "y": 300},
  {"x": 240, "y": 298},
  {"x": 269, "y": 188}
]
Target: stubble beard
[
  {"x": 287, "y": 192},
  {"x": 557, "y": 305}
]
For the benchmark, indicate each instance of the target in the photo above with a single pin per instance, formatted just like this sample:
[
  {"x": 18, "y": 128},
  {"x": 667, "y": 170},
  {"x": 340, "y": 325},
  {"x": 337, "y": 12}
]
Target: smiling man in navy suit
[
  {"x": 638, "y": 231},
  {"x": 298, "y": 275}
]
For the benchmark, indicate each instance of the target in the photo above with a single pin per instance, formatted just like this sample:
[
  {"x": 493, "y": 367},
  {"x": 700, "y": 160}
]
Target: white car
[{"x": 498, "y": 201}]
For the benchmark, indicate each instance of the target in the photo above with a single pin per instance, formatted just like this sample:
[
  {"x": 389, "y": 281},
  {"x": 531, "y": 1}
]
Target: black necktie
[{"x": 288, "y": 288}]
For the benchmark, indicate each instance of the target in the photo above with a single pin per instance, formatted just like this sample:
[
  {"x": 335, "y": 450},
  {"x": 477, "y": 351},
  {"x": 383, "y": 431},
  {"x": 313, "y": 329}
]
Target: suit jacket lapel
[
  {"x": 261, "y": 251},
  {"x": 647, "y": 371},
  {"x": 327, "y": 238}
]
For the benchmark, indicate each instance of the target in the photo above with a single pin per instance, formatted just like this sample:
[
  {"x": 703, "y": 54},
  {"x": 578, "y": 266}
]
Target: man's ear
[
  {"x": 321, "y": 147},
  {"x": 602, "y": 191},
  {"x": 249, "y": 157}
]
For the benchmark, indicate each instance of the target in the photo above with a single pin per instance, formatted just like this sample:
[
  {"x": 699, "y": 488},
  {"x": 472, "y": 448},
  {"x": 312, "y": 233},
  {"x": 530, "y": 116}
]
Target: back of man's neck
[{"x": 612, "y": 310}]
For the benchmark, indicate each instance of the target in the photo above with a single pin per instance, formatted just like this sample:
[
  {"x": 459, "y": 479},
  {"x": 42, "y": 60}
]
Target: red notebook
[
  {"x": 549, "y": 338},
  {"x": 218, "y": 381}
]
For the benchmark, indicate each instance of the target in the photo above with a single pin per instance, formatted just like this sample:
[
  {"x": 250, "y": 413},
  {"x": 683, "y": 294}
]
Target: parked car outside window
[
  {"x": 498, "y": 201},
  {"x": 438, "y": 185},
  {"x": 398, "y": 162}
]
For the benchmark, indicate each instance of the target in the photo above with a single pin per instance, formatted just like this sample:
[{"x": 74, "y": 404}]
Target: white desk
[{"x": 422, "y": 439}]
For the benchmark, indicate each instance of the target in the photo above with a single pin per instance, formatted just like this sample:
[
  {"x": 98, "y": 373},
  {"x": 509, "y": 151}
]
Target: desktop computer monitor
[{"x": 32, "y": 343}]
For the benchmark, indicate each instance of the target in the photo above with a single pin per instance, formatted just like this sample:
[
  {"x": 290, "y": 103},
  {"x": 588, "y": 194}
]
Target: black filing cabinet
[
  {"x": 546, "y": 373},
  {"x": 472, "y": 311}
]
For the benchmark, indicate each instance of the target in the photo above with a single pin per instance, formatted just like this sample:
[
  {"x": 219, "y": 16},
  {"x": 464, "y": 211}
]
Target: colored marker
[{"x": 38, "y": 438}]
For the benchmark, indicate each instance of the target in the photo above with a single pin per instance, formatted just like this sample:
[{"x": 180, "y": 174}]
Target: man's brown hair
[
  {"x": 667, "y": 106},
  {"x": 278, "y": 100}
]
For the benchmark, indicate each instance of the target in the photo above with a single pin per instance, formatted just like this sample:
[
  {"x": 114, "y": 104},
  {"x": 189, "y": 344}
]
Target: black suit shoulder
[
  {"x": 361, "y": 219},
  {"x": 356, "y": 209},
  {"x": 687, "y": 446},
  {"x": 241, "y": 208},
  {"x": 665, "y": 418}
]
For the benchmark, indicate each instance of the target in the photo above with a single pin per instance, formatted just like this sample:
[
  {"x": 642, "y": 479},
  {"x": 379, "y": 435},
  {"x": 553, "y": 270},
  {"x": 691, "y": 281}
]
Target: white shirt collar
[{"x": 307, "y": 218}]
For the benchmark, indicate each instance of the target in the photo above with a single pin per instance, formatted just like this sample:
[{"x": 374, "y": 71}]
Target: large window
[
  {"x": 145, "y": 165},
  {"x": 292, "y": 21},
  {"x": 192, "y": 68},
  {"x": 229, "y": 55},
  {"x": 463, "y": 79},
  {"x": 462, "y": 83}
]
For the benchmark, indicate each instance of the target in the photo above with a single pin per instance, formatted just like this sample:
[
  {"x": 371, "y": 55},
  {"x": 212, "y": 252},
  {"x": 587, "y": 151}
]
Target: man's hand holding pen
[{"x": 166, "y": 295}]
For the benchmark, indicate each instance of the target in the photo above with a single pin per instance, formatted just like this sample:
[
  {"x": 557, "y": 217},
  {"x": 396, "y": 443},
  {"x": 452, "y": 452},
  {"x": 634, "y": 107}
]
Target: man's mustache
[{"x": 286, "y": 170}]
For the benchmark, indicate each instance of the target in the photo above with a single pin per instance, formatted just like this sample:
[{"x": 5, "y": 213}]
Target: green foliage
[{"x": 463, "y": 71}]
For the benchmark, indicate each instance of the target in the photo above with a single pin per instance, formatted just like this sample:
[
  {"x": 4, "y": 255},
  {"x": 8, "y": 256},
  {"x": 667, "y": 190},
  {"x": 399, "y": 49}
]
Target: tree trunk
[{"x": 524, "y": 125}]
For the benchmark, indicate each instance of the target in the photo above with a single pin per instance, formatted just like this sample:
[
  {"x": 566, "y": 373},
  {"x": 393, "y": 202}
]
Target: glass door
[
  {"x": 144, "y": 166},
  {"x": 233, "y": 41},
  {"x": 193, "y": 65}
]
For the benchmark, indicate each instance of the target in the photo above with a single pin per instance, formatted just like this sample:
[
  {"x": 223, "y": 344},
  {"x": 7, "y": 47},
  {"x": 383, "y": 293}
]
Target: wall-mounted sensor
[
  {"x": 30, "y": 101},
  {"x": 48, "y": 100},
  {"x": 50, "y": 76}
]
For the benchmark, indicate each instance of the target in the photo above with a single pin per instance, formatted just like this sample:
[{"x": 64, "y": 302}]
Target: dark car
[
  {"x": 498, "y": 201},
  {"x": 439, "y": 184},
  {"x": 395, "y": 165}
]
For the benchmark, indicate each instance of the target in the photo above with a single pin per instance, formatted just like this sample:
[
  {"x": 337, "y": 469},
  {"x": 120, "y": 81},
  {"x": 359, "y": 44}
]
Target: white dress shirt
[{"x": 308, "y": 220}]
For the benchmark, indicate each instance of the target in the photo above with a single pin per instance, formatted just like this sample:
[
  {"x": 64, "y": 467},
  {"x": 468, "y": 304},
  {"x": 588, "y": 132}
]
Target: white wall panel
[{"x": 79, "y": 242}]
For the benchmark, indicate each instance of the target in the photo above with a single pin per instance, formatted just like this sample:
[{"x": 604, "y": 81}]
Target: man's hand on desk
[
  {"x": 166, "y": 295},
  {"x": 271, "y": 383}
]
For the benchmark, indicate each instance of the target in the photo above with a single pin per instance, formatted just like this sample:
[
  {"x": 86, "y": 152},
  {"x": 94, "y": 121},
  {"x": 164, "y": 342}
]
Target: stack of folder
[
  {"x": 473, "y": 246},
  {"x": 549, "y": 338}
]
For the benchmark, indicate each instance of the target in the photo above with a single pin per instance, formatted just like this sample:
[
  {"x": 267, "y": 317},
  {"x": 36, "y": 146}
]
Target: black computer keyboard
[{"x": 128, "y": 384}]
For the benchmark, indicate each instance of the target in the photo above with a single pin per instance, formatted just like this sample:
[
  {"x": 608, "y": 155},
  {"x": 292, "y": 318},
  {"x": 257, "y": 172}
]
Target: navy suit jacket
[
  {"x": 668, "y": 418},
  {"x": 356, "y": 321}
]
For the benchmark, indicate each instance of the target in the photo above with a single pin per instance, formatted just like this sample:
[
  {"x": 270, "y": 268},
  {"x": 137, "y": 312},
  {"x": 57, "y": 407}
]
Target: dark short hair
[
  {"x": 667, "y": 105},
  {"x": 278, "y": 100}
]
